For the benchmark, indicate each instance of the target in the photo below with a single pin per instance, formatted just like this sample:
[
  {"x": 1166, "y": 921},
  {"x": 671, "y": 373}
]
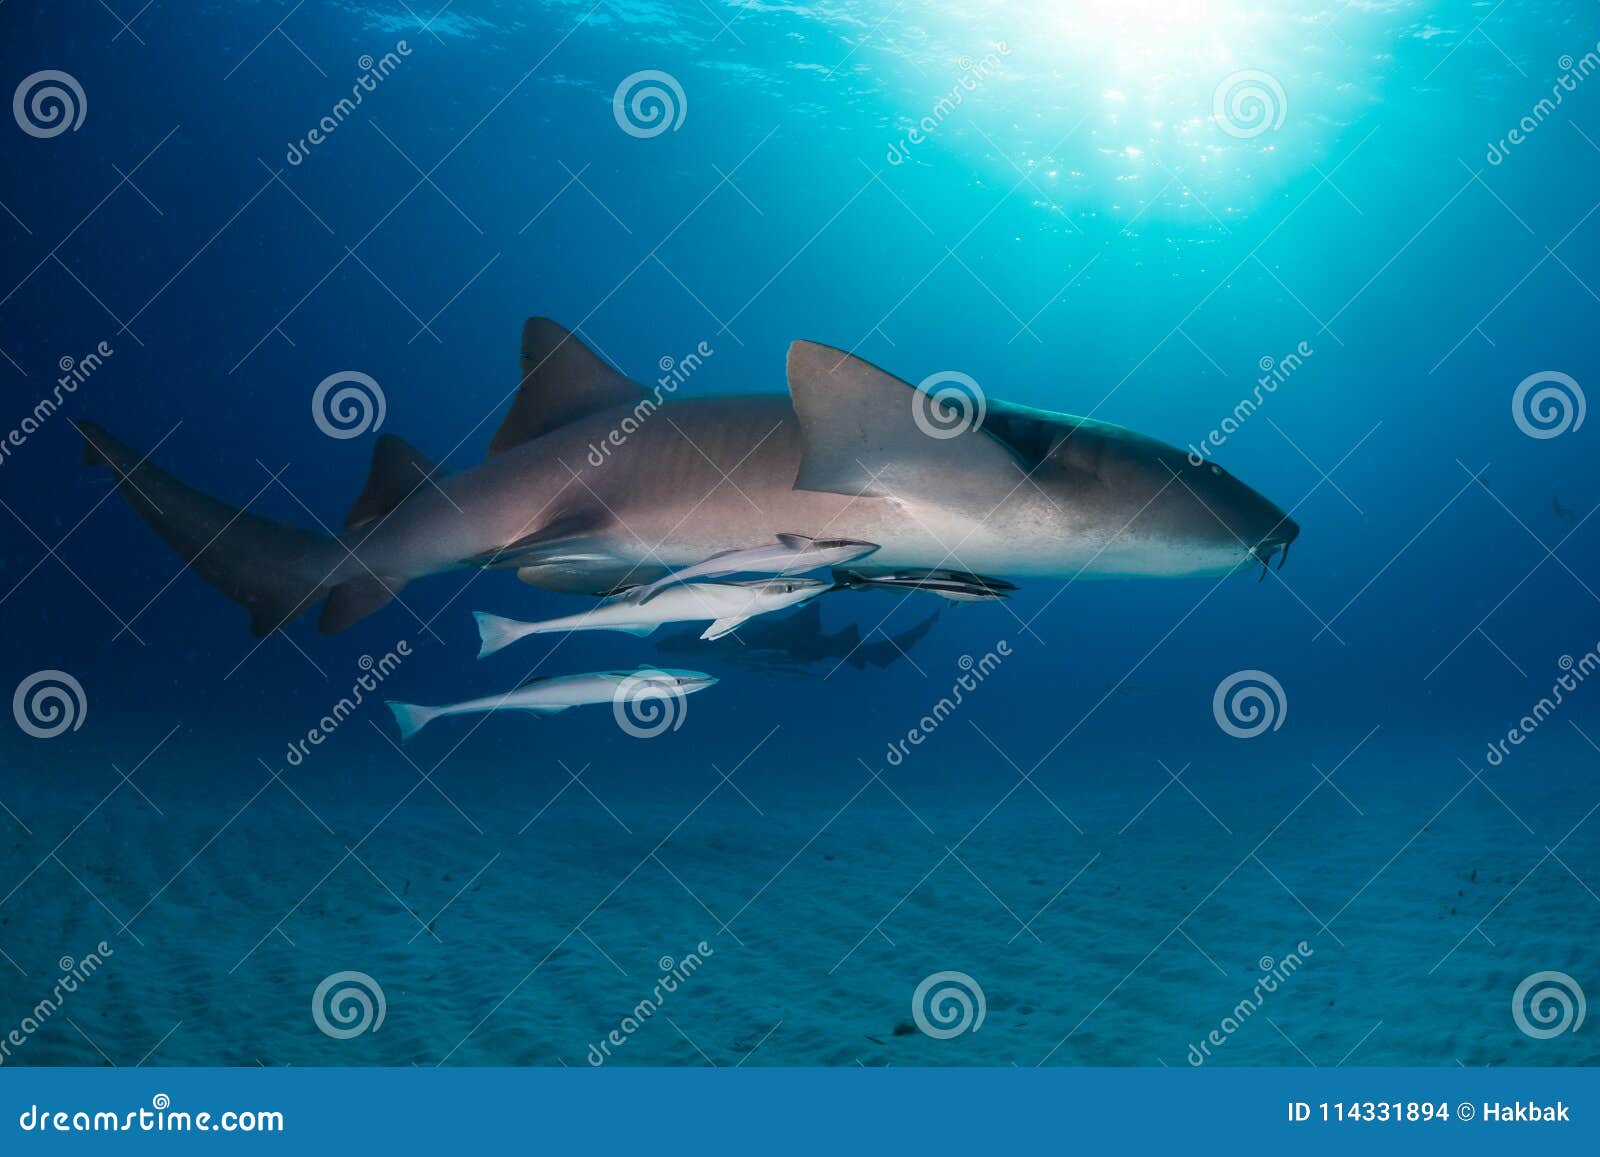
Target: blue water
[{"x": 1080, "y": 838}]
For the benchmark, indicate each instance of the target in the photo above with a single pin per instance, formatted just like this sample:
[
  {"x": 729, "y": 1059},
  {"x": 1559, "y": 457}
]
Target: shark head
[
  {"x": 1037, "y": 491},
  {"x": 1157, "y": 510}
]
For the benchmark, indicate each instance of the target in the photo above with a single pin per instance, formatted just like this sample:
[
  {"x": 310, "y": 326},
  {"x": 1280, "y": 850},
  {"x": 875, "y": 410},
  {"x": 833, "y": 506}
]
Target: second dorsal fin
[
  {"x": 562, "y": 380},
  {"x": 398, "y": 469}
]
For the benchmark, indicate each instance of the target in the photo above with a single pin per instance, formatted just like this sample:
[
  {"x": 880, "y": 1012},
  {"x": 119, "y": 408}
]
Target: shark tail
[
  {"x": 273, "y": 570},
  {"x": 495, "y": 632},
  {"x": 412, "y": 717}
]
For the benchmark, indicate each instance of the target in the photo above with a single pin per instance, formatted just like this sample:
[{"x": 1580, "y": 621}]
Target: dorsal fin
[
  {"x": 865, "y": 431},
  {"x": 862, "y": 434},
  {"x": 562, "y": 380},
  {"x": 398, "y": 469}
]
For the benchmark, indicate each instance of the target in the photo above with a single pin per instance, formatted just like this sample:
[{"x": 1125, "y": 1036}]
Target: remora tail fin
[
  {"x": 273, "y": 570},
  {"x": 496, "y": 631},
  {"x": 411, "y": 717}
]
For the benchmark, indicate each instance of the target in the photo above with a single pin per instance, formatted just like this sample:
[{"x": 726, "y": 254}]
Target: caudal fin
[
  {"x": 495, "y": 632},
  {"x": 273, "y": 570},
  {"x": 411, "y": 717}
]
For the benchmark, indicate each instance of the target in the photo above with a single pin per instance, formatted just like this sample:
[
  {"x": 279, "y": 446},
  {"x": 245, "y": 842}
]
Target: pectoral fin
[
  {"x": 350, "y": 602},
  {"x": 578, "y": 534},
  {"x": 724, "y": 626},
  {"x": 589, "y": 574}
]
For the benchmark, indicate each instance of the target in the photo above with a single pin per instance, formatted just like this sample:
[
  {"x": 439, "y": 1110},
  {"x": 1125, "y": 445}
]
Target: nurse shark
[{"x": 847, "y": 453}]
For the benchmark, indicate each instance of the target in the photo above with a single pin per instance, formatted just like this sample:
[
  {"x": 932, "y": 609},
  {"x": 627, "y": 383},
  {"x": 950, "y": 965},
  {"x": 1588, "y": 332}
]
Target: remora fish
[
  {"x": 1022, "y": 493},
  {"x": 550, "y": 694},
  {"x": 791, "y": 554},
  {"x": 728, "y": 604},
  {"x": 955, "y": 586}
]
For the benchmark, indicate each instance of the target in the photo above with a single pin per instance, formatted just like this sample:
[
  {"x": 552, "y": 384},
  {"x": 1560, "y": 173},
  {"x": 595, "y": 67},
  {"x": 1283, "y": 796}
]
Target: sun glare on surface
[{"x": 1185, "y": 108}]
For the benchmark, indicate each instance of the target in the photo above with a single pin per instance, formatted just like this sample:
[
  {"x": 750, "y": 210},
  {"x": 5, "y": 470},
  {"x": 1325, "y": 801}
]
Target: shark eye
[{"x": 1217, "y": 470}]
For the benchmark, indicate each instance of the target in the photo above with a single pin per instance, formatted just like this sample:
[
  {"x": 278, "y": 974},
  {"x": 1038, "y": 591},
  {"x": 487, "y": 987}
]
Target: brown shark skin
[{"x": 614, "y": 497}]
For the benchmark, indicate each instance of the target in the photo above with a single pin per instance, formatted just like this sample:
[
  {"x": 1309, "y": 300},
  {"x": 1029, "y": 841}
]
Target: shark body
[{"x": 1023, "y": 493}]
